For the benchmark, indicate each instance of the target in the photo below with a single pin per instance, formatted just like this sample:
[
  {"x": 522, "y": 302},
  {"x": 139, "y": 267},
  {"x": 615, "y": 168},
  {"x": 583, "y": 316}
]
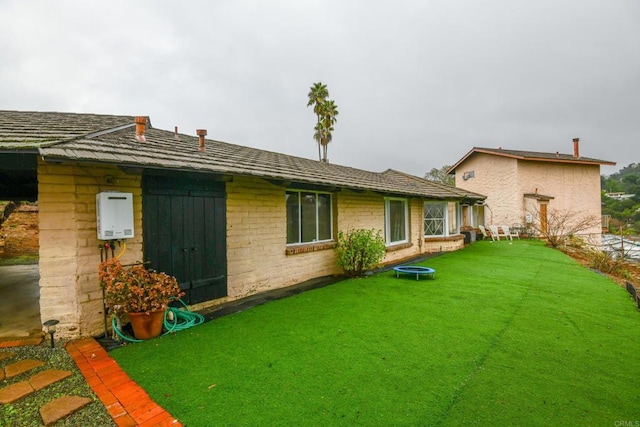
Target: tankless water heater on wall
[{"x": 114, "y": 214}]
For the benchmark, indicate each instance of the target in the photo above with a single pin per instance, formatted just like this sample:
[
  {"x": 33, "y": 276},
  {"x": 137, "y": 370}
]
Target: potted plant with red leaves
[{"x": 143, "y": 295}]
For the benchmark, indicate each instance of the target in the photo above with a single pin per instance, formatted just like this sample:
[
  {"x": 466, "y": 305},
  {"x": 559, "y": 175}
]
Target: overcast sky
[{"x": 417, "y": 83}]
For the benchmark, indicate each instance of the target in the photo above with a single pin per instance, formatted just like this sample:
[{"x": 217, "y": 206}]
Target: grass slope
[{"x": 506, "y": 334}]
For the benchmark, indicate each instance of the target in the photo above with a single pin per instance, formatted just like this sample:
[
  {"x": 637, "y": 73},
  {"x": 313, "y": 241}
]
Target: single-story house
[
  {"x": 524, "y": 187},
  {"x": 228, "y": 221}
]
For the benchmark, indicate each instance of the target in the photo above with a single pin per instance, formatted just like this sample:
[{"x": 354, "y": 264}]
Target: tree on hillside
[
  {"x": 624, "y": 212},
  {"x": 441, "y": 175},
  {"x": 326, "y": 112}
]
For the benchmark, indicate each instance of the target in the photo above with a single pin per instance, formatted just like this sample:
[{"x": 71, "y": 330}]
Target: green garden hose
[{"x": 175, "y": 319}]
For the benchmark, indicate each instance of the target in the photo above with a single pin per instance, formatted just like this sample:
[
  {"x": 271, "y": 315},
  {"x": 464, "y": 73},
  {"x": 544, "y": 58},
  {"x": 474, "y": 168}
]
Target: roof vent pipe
[
  {"x": 141, "y": 126},
  {"x": 576, "y": 147},
  {"x": 175, "y": 132},
  {"x": 201, "y": 134}
]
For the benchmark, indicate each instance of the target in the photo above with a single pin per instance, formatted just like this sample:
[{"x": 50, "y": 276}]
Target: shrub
[
  {"x": 561, "y": 225},
  {"x": 606, "y": 262},
  {"x": 359, "y": 250}
]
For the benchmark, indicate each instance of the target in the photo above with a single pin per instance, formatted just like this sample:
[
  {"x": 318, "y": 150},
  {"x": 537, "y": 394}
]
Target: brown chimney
[
  {"x": 141, "y": 126},
  {"x": 576, "y": 147},
  {"x": 201, "y": 134}
]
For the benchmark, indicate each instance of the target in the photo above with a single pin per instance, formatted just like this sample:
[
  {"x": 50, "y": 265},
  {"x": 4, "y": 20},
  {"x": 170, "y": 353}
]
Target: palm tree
[
  {"x": 318, "y": 93},
  {"x": 329, "y": 112}
]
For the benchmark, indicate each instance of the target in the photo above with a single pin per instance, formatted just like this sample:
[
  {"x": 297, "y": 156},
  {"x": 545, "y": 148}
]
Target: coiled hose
[{"x": 175, "y": 319}]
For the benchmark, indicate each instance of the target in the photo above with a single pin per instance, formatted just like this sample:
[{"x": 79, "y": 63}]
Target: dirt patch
[{"x": 19, "y": 232}]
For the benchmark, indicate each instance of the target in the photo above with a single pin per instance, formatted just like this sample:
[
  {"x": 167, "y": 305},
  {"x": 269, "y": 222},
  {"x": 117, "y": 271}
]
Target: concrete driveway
[{"x": 19, "y": 301}]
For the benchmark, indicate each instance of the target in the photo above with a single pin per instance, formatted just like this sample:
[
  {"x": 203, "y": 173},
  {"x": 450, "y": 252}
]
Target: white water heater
[{"x": 114, "y": 215}]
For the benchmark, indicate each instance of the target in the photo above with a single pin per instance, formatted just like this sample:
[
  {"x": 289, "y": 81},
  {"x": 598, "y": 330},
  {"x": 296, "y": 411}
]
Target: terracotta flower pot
[{"x": 146, "y": 326}]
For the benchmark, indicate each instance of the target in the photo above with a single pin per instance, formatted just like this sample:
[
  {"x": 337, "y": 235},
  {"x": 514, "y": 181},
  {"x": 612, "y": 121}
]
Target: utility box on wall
[{"x": 114, "y": 215}]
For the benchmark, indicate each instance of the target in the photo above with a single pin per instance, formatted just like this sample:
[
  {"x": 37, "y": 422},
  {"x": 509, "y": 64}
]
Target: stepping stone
[
  {"x": 21, "y": 366},
  {"x": 14, "y": 392},
  {"x": 62, "y": 407},
  {"x": 20, "y": 342},
  {"x": 50, "y": 376}
]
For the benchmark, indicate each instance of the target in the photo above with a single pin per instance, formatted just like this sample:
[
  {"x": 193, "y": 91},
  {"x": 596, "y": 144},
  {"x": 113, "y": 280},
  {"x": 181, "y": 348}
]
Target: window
[
  {"x": 308, "y": 217},
  {"x": 435, "y": 218},
  {"x": 396, "y": 221},
  {"x": 441, "y": 218},
  {"x": 454, "y": 217}
]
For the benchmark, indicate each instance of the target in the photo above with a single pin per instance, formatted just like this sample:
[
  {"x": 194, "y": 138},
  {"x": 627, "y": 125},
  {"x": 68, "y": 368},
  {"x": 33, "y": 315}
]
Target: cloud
[{"x": 417, "y": 83}]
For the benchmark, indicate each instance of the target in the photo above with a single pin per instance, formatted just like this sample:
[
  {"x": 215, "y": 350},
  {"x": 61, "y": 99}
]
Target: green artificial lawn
[{"x": 506, "y": 334}]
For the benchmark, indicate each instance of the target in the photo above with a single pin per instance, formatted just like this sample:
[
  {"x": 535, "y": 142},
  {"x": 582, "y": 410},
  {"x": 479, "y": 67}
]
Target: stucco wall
[
  {"x": 69, "y": 254},
  {"x": 575, "y": 188},
  {"x": 497, "y": 178},
  {"x": 504, "y": 181}
]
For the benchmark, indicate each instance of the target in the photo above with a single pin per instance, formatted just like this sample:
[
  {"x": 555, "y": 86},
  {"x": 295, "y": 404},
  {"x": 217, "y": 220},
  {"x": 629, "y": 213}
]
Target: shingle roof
[
  {"x": 111, "y": 139},
  {"x": 435, "y": 188},
  {"x": 532, "y": 156},
  {"x": 29, "y": 129}
]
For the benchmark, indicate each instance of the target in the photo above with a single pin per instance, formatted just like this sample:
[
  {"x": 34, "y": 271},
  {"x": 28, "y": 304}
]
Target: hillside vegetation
[{"x": 624, "y": 212}]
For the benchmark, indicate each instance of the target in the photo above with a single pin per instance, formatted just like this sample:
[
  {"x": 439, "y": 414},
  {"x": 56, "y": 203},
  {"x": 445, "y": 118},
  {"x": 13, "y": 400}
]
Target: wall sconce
[{"x": 51, "y": 328}]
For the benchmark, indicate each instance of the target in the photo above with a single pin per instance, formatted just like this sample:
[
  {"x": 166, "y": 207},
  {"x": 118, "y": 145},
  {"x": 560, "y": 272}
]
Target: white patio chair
[
  {"x": 510, "y": 233},
  {"x": 495, "y": 231},
  {"x": 485, "y": 234}
]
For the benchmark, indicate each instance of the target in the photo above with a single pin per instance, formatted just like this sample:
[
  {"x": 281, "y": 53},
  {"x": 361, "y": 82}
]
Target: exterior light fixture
[{"x": 51, "y": 329}]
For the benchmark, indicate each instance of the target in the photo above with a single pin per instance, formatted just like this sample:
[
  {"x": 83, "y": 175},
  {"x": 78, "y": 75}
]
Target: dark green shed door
[{"x": 185, "y": 233}]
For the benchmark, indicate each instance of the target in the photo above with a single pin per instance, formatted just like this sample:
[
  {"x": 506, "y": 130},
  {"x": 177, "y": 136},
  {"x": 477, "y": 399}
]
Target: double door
[{"x": 185, "y": 233}]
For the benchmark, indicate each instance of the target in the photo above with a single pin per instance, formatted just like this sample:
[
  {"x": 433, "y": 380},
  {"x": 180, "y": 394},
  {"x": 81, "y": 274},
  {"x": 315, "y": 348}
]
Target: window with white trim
[
  {"x": 309, "y": 217},
  {"x": 396, "y": 220},
  {"x": 442, "y": 219},
  {"x": 435, "y": 218}
]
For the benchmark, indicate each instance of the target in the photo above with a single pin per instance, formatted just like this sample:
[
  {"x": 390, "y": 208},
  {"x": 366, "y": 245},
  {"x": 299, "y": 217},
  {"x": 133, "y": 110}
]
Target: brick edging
[{"x": 127, "y": 403}]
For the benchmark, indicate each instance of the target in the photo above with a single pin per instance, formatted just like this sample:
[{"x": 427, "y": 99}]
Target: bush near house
[{"x": 359, "y": 250}]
